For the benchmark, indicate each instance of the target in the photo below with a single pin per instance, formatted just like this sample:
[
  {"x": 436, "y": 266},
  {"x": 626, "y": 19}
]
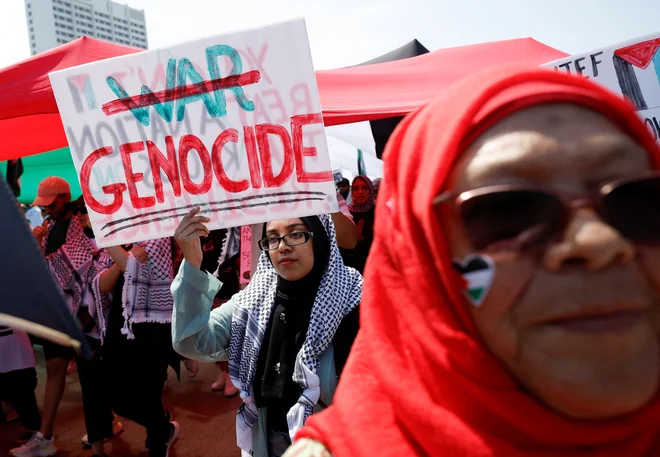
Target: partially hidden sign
[
  {"x": 230, "y": 123},
  {"x": 631, "y": 69}
]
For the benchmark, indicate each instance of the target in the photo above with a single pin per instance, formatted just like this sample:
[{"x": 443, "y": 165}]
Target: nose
[
  {"x": 588, "y": 242},
  {"x": 283, "y": 247}
]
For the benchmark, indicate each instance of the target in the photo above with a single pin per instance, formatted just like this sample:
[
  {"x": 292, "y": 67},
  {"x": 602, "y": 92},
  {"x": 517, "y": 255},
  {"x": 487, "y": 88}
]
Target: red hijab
[{"x": 419, "y": 382}]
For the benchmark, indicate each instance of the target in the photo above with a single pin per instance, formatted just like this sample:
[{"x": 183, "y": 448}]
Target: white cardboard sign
[
  {"x": 631, "y": 68},
  {"x": 231, "y": 123}
]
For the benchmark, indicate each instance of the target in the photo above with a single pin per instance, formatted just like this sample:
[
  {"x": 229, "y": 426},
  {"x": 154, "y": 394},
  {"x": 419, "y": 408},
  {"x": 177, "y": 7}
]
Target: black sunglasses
[
  {"x": 522, "y": 218},
  {"x": 272, "y": 242}
]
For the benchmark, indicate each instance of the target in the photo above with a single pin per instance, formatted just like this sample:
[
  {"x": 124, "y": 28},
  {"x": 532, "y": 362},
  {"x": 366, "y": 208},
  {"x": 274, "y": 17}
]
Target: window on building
[{"x": 29, "y": 13}]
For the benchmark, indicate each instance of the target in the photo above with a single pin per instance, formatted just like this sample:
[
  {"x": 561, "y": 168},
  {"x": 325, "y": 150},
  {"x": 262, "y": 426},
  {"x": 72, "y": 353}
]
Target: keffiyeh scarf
[
  {"x": 72, "y": 264},
  {"x": 146, "y": 293},
  {"x": 339, "y": 292}
]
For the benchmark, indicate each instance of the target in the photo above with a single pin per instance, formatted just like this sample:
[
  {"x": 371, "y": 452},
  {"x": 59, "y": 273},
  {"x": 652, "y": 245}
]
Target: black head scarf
[{"x": 274, "y": 386}]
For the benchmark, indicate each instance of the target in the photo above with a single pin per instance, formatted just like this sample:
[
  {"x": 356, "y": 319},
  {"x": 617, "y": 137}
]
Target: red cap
[{"x": 49, "y": 189}]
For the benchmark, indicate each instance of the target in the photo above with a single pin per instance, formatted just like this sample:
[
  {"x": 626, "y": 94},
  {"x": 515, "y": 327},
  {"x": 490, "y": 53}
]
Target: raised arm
[
  {"x": 346, "y": 230},
  {"x": 197, "y": 333},
  {"x": 109, "y": 277}
]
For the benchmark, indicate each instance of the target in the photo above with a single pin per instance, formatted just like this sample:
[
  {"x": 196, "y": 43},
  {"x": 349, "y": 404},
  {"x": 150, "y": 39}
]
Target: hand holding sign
[{"x": 187, "y": 236}]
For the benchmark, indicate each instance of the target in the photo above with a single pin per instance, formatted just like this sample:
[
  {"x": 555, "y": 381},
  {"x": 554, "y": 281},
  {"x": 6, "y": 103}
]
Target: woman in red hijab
[{"x": 513, "y": 283}]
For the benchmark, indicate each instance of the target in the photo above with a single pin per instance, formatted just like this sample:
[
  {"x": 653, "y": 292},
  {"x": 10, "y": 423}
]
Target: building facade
[{"x": 52, "y": 23}]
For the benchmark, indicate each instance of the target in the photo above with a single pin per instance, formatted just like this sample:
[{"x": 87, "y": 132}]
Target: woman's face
[
  {"x": 360, "y": 192},
  {"x": 577, "y": 322},
  {"x": 291, "y": 262}
]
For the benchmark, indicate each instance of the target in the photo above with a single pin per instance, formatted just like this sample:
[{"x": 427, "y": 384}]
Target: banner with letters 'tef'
[
  {"x": 631, "y": 69},
  {"x": 230, "y": 123}
]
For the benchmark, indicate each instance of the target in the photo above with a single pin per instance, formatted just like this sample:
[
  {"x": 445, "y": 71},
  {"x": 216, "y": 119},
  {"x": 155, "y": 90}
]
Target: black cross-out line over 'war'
[
  {"x": 213, "y": 210},
  {"x": 222, "y": 202}
]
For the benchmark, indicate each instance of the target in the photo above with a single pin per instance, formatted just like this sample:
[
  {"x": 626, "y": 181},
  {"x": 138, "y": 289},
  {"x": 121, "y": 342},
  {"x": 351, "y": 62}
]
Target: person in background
[
  {"x": 18, "y": 379},
  {"x": 92, "y": 371},
  {"x": 287, "y": 335},
  {"x": 69, "y": 256},
  {"x": 80, "y": 210},
  {"x": 344, "y": 189},
  {"x": 362, "y": 209},
  {"x": 376, "y": 187},
  {"x": 513, "y": 286},
  {"x": 132, "y": 296}
]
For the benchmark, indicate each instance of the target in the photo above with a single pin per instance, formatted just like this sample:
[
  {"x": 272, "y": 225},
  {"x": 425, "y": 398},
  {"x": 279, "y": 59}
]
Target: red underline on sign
[{"x": 168, "y": 95}]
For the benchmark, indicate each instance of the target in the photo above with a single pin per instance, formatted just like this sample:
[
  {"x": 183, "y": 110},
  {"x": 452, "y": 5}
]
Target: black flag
[{"x": 14, "y": 172}]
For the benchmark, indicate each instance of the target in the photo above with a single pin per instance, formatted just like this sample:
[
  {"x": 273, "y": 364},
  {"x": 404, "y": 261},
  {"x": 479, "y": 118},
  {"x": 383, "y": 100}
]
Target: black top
[
  {"x": 278, "y": 407},
  {"x": 152, "y": 340},
  {"x": 211, "y": 246},
  {"x": 57, "y": 235}
]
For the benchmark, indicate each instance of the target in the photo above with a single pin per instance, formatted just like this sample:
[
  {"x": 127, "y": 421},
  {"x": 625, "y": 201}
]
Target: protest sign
[
  {"x": 631, "y": 69},
  {"x": 230, "y": 123},
  {"x": 246, "y": 255}
]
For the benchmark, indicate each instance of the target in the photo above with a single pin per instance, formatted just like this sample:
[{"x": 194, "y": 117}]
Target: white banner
[
  {"x": 631, "y": 69},
  {"x": 231, "y": 123}
]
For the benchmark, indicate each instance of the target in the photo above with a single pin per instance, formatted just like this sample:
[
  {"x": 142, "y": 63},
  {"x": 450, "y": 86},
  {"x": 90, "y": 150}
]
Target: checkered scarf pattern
[
  {"x": 146, "y": 295},
  {"x": 340, "y": 291},
  {"x": 72, "y": 264}
]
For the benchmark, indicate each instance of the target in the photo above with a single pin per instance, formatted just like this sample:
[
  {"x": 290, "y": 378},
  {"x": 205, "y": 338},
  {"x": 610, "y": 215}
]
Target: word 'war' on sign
[
  {"x": 174, "y": 163},
  {"x": 211, "y": 92}
]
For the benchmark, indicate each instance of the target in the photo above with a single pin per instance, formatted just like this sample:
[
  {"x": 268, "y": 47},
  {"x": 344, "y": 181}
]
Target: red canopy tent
[
  {"x": 29, "y": 120},
  {"x": 30, "y": 123},
  {"x": 396, "y": 88}
]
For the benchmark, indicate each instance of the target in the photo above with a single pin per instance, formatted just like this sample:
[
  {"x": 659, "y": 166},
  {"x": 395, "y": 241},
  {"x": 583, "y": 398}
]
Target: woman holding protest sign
[
  {"x": 287, "y": 335},
  {"x": 514, "y": 281}
]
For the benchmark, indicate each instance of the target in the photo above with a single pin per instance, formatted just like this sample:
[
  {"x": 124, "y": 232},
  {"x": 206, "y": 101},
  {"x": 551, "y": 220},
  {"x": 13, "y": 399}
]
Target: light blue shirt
[{"x": 201, "y": 334}]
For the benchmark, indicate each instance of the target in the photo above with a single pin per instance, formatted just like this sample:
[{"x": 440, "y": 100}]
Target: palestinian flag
[
  {"x": 477, "y": 273},
  {"x": 638, "y": 55}
]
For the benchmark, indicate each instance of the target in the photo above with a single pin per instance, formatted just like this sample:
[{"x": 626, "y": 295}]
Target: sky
[{"x": 347, "y": 32}]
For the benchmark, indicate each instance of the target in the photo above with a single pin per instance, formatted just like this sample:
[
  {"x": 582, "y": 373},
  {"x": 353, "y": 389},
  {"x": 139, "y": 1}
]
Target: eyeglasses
[
  {"x": 290, "y": 239},
  {"x": 518, "y": 218}
]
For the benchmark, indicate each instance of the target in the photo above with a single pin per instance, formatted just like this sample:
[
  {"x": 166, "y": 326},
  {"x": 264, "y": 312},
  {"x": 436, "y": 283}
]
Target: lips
[
  {"x": 599, "y": 322},
  {"x": 287, "y": 261}
]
